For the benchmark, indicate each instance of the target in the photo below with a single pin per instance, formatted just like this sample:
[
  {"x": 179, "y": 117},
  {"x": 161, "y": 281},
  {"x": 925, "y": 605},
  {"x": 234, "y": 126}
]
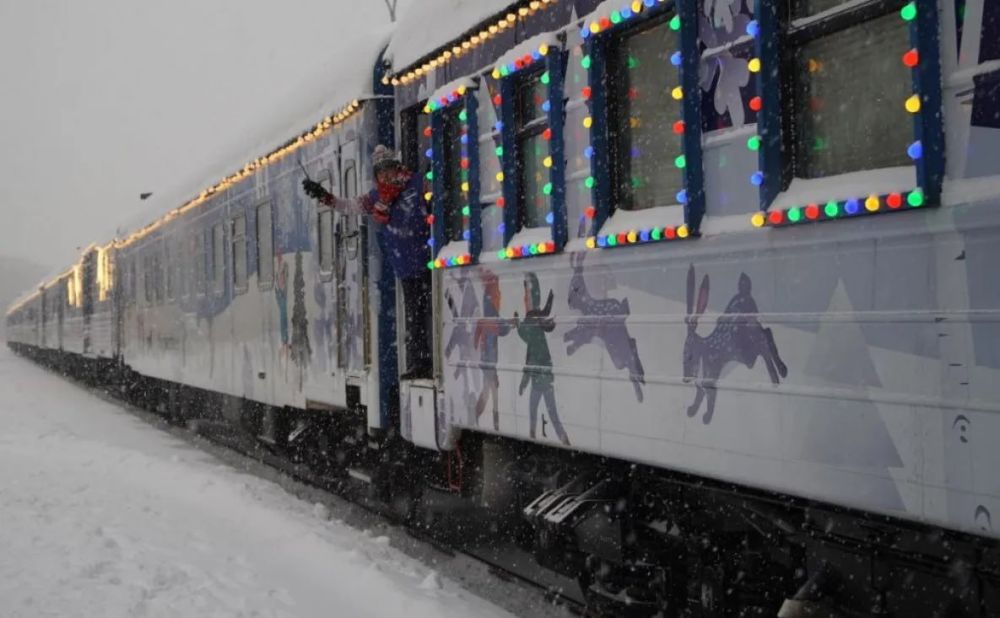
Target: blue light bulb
[
  {"x": 430, "y": 241},
  {"x": 588, "y": 151},
  {"x": 429, "y": 153},
  {"x": 753, "y": 28},
  {"x": 649, "y": 3},
  {"x": 466, "y": 235},
  {"x": 644, "y": 235},
  {"x": 602, "y": 241},
  {"x": 675, "y": 59},
  {"x": 546, "y": 105},
  {"x": 757, "y": 178},
  {"x": 464, "y": 139},
  {"x": 626, "y": 13},
  {"x": 682, "y": 196},
  {"x": 549, "y": 218},
  {"x": 851, "y": 207},
  {"x": 916, "y": 150},
  {"x": 498, "y": 126}
]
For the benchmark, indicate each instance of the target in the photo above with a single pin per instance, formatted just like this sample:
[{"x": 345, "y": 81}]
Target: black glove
[{"x": 314, "y": 190}]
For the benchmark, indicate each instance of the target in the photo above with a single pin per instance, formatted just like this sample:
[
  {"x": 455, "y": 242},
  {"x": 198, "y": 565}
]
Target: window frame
[
  {"x": 525, "y": 130},
  {"x": 262, "y": 283},
  {"x": 512, "y": 77},
  {"x": 776, "y": 123},
  {"x": 600, "y": 42},
  {"x": 238, "y": 242},
  {"x": 467, "y": 102},
  {"x": 217, "y": 232}
]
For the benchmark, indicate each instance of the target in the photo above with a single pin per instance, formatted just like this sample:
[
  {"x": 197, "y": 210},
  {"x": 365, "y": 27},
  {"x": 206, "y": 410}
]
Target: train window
[
  {"x": 643, "y": 145},
  {"x": 453, "y": 201},
  {"x": 324, "y": 236},
  {"x": 416, "y": 139},
  {"x": 199, "y": 262},
  {"x": 489, "y": 164},
  {"x": 532, "y": 149},
  {"x": 265, "y": 246},
  {"x": 218, "y": 258},
  {"x": 239, "y": 240},
  {"x": 845, "y": 83},
  {"x": 169, "y": 257}
]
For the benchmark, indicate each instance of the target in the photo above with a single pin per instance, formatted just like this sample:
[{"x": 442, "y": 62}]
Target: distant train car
[{"x": 714, "y": 300}]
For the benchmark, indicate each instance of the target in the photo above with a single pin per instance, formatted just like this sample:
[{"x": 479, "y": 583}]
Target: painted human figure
[
  {"x": 538, "y": 359},
  {"x": 463, "y": 307},
  {"x": 489, "y": 329}
]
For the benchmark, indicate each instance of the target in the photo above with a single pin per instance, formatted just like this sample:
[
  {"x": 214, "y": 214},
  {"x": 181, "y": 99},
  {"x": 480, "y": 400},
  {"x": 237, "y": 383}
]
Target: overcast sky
[{"x": 104, "y": 99}]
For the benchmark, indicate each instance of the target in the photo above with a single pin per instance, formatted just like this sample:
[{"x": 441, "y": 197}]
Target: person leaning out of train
[{"x": 396, "y": 206}]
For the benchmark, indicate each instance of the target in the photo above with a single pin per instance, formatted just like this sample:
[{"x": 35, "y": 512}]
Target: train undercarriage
[{"x": 622, "y": 539}]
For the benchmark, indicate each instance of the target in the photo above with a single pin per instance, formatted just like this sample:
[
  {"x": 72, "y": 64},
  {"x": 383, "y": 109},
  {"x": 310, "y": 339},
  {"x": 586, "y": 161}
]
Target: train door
[
  {"x": 354, "y": 332},
  {"x": 45, "y": 317},
  {"x": 60, "y": 292}
]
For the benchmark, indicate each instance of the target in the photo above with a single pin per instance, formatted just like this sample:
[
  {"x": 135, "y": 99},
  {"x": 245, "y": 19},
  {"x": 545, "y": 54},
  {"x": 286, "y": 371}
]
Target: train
[{"x": 715, "y": 304}]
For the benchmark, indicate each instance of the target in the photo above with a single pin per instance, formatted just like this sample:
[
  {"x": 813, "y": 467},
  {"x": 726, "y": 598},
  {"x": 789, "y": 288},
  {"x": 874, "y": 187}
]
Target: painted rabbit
[
  {"x": 604, "y": 320},
  {"x": 738, "y": 337}
]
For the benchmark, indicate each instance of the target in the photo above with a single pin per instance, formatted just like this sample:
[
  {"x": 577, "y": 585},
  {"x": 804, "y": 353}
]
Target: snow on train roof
[{"x": 429, "y": 24}]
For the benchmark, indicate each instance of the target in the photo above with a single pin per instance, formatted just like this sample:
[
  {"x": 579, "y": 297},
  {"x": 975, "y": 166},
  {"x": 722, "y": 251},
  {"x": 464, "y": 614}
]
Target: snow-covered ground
[{"x": 102, "y": 514}]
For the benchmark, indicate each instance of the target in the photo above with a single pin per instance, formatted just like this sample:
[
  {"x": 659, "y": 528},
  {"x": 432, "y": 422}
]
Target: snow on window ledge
[
  {"x": 846, "y": 186},
  {"x": 625, "y": 221}
]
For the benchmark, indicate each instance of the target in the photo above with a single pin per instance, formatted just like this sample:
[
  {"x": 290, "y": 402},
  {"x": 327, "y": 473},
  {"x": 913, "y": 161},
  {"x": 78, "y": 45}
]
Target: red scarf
[{"x": 388, "y": 193}]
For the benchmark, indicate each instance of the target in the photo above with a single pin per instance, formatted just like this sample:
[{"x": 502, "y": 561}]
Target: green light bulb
[
  {"x": 675, "y": 23},
  {"x": 680, "y": 162},
  {"x": 754, "y": 143},
  {"x": 585, "y": 63},
  {"x": 499, "y": 151},
  {"x": 545, "y": 77},
  {"x": 547, "y": 189},
  {"x": 795, "y": 214},
  {"x": 831, "y": 209},
  {"x": 589, "y": 182},
  {"x": 466, "y": 211},
  {"x": 915, "y": 198},
  {"x": 909, "y": 12}
]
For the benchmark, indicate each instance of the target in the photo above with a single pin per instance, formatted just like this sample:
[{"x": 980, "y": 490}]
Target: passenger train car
[{"x": 715, "y": 304}]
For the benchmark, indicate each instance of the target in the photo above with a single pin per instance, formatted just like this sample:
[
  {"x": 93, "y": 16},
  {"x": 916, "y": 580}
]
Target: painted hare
[{"x": 737, "y": 337}]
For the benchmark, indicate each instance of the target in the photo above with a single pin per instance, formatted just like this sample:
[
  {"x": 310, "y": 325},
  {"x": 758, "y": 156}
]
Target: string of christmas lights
[
  {"x": 441, "y": 103},
  {"x": 595, "y": 27},
  {"x": 838, "y": 209},
  {"x": 470, "y": 43}
]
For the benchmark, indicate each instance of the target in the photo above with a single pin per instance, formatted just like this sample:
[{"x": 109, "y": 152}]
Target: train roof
[{"x": 430, "y": 24}]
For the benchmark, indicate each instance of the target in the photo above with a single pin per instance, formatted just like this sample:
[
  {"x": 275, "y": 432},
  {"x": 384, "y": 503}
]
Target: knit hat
[{"x": 384, "y": 157}]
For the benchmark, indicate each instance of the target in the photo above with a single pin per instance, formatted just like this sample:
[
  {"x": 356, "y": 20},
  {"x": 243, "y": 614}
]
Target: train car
[
  {"x": 748, "y": 243},
  {"x": 714, "y": 311}
]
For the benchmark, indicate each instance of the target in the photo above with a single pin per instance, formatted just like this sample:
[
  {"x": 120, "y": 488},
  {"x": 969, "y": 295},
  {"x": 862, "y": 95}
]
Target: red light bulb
[
  {"x": 911, "y": 58},
  {"x": 756, "y": 104},
  {"x": 812, "y": 211},
  {"x": 894, "y": 200},
  {"x": 679, "y": 127},
  {"x": 776, "y": 217}
]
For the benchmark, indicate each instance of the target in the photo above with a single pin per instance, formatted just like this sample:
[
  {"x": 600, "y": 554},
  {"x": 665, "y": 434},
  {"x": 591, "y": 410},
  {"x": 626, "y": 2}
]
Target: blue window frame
[
  {"x": 846, "y": 88},
  {"x": 454, "y": 174},
  {"x": 645, "y": 120},
  {"x": 533, "y": 165}
]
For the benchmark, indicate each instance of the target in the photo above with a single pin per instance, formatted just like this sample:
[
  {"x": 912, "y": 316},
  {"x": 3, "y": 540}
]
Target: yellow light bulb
[
  {"x": 591, "y": 243},
  {"x": 872, "y": 203},
  {"x": 754, "y": 65},
  {"x": 677, "y": 93},
  {"x": 913, "y": 104},
  {"x": 547, "y": 162},
  {"x": 588, "y": 122},
  {"x": 757, "y": 220},
  {"x": 682, "y": 231}
]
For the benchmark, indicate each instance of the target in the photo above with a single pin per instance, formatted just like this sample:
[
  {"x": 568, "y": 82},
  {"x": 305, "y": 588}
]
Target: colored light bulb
[
  {"x": 510, "y": 252},
  {"x": 757, "y": 179},
  {"x": 546, "y": 105},
  {"x": 636, "y": 6},
  {"x": 612, "y": 240},
  {"x": 656, "y": 234},
  {"x": 584, "y": 32},
  {"x": 430, "y": 219},
  {"x": 602, "y": 241},
  {"x": 591, "y": 243},
  {"x": 872, "y": 203},
  {"x": 644, "y": 236},
  {"x": 756, "y": 104},
  {"x": 430, "y": 241},
  {"x": 753, "y": 28},
  {"x": 913, "y": 104},
  {"x": 649, "y": 3},
  {"x": 852, "y": 206},
  {"x": 589, "y": 182},
  {"x": 632, "y": 236},
  {"x": 679, "y": 127},
  {"x": 498, "y": 126},
  {"x": 812, "y": 212},
  {"x": 915, "y": 198},
  {"x": 675, "y": 59},
  {"x": 550, "y": 218},
  {"x": 754, "y": 65},
  {"x": 430, "y": 265},
  {"x": 675, "y": 22},
  {"x": 545, "y": 78},
  {"x": 429, "y": 153},
  {"x": 466, "y": 235},
  {"x": 682, "y": 196},
  {"x": 466, "y": 211},
  {"x": 677, "y": 93},
  {"x": 585, "y": 61},
  {"x": 547, "y": 161},
  {"x": 669, "y": 233},
  {"x": 616, "y": 17},
  {"x": 495, "y": 74},
  {"x": 680, "y": 162},
  {"x": 832, "y": 209},
  {"x": 499, "y": 176},
  {"x": 533, "y": 249},
  {"x": 916, "y": 150},
  {"x": 754, "y": 143},
  {"x": 909, "y": 12},
  {"x": 499, "y": 151},
  {"x": 588, "y": 151},
  {"x": 501, "y": 254},
  {"x": 757, "y": 219},
  {"x": 547, "y": 134},
  {"x": 682, "y": 231},
  {"x": 588, "y": 122},
  {"x": 547, "y": 188},
  {"x": 501, "y": 202},
  {"x": 911, "y": 58},
  {"x": 463, "y": 115},
  {"x": 894, "y": 200},
  {"x": 428, "y": 196},
  {"x": 795, "y": 214},
  {"x": 627, "y": 12},
  {"x": 776, "y": 217},
  {"x": 429, "y": 175}
]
